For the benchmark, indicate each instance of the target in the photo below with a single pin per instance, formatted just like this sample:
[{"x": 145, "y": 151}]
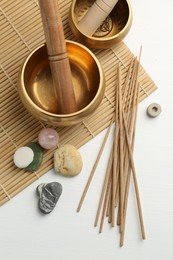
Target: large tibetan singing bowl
[
  {"x": 36, "y": 89},
  {"x": 114, "y": 28}
]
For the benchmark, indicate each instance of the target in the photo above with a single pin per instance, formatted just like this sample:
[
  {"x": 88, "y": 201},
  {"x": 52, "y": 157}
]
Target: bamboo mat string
[
  {"x": 14, "y": 28},
  {"x": 85, "y": 125},
  {"x": 119, "y": 59},
  {"x": 8, "y": 77},
  {"x": 36, "y": 174},
  {"x": 42, "y": 124},
  {"x": 36, "y": 2},
  {"x": 145, "y": 92},
  {"x": 4, "y": 190},
  {"x": 8, "y": 136},
  {"x": 108, "y": 99}
]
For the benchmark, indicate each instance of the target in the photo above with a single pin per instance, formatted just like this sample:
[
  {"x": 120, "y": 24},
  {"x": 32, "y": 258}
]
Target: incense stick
[
  {"x": 135, "y": 109},
  {"x": 129, "y": 112},
  {"x": 115, "y": 159},
  {"x": 104, "y": 187},
  {"x": 134, "y": 178},
  {"x": 115, "y": 189},
  {"x": 120, "y": 109},
  {"x": 127, "y": 185},
  {"x": 127, "y": 81},
  {"x": 94, "y": 168},
  {"x": 109, "y": 204},
  {"x": 127, "y": 92},
  {"x": 127, "y": 191},
  {"x": 107, "y": 193}
]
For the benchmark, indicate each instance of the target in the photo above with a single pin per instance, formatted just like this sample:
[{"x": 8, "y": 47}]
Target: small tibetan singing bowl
[
  {"x": 36, "y": 89},
  {"x": 114, "y": 28}
]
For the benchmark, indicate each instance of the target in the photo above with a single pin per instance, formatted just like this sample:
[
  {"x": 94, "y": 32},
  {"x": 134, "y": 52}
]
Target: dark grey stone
[{"x": 49, "y": 194}]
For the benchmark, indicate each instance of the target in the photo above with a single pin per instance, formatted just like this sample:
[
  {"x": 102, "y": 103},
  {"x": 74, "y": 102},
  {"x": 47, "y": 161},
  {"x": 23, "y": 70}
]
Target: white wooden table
[{"x": 25, "y": 234}]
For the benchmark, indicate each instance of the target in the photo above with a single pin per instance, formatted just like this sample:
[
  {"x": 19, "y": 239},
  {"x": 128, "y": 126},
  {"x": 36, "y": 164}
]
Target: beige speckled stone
[{"x": 67, "y": 160}]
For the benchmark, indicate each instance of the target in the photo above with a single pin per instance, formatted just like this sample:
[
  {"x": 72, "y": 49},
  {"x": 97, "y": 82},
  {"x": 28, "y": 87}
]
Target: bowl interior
[
  {"x": 38, "y": 80},
  {"x": 113, "y": 24}
]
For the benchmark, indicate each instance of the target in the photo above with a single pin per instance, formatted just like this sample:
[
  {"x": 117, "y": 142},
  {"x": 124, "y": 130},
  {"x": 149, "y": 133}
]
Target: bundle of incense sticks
[{"x": 120, "y": 167}]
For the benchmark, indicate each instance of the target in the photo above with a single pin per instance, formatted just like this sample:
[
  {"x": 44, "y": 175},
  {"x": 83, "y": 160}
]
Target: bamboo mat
[{"x": 21, "y": 31}]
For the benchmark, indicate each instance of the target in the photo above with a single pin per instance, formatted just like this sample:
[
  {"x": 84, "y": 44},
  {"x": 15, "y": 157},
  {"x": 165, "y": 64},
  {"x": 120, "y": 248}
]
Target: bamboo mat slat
[{"x": 21, "y": 31}]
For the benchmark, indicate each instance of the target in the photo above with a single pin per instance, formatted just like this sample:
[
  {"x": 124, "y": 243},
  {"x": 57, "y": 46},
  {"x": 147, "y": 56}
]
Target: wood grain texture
[{"x": 57, "y": 54}]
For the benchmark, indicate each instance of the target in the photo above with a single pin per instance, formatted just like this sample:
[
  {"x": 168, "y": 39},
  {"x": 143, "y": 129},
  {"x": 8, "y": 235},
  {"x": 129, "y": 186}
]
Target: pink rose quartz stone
[{"x": 48, "y": 138}]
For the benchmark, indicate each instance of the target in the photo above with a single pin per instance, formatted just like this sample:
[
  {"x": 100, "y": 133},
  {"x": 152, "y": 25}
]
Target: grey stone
[{"x": 49, "y": 194}]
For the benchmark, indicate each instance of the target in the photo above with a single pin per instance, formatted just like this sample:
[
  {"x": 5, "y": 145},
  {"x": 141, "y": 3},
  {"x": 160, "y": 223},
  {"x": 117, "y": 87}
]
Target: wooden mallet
[{"x": 57, "y": 54}]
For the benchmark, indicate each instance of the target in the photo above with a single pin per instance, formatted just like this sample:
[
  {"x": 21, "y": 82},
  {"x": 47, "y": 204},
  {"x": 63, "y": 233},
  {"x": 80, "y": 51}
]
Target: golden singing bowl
[
  {"x": 36, "y": 89},
  {"x": 113, "y": 29}
]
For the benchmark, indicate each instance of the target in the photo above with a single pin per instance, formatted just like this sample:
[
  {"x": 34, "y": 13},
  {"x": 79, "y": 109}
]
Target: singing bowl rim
[{"x": 93, "y": 104}]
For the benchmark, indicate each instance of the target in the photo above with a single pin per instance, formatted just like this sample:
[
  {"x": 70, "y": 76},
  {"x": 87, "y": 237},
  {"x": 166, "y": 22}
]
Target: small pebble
[
  {"x": 23, "y": 156},
  {"x": 48, "y": 196},
  {"x": 48, "y": 138},
  {"x": 67, "y": 160},
  {"x": 38, "y": 157},
  {"x": 154, "y": 110}
]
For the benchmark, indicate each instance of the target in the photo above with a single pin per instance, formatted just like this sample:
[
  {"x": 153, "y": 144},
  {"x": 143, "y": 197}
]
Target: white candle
[{"x": 96, "y": 16}]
